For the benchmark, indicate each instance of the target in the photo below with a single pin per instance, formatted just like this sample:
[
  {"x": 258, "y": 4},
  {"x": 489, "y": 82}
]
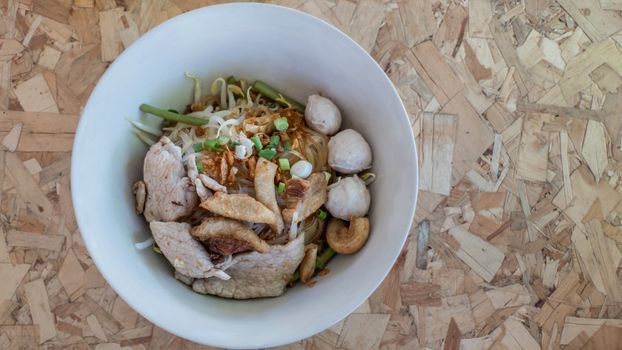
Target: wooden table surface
[{"x": 517, "y": 112}]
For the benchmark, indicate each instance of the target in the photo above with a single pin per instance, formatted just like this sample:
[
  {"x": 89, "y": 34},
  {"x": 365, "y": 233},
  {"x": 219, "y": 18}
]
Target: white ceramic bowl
[{"x": 299, "y": 55}]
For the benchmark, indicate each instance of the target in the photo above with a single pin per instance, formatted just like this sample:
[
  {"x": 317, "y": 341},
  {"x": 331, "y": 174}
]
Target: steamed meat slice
[
  {"x": 188, "y": 257},
  {"x": 193, "y": 174},
  {"x": 226, "y": 236},
  {"x": 257, "y": 275},
  {"x": 191, "y": 165},
  {"x": 212, "y": 184},
  {"x": 265, "y": 191},
  {"x": 184, "y": 279},
  {"x": 304, "y": 197},
  {"x": 202, "y": 192},
  {"x": 240, "y": 207},
  {"x": 170, "y": 194}
]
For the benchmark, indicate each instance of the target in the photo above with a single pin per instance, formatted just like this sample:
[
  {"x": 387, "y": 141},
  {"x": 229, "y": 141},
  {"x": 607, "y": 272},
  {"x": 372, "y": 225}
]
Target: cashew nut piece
[
  {"x": 347, "y": 240},
  {"x": 307, "y": 266}
]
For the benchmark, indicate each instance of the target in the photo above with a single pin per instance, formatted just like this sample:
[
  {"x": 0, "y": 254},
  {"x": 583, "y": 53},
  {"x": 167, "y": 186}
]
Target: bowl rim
[{"x": 98, "y": 259}]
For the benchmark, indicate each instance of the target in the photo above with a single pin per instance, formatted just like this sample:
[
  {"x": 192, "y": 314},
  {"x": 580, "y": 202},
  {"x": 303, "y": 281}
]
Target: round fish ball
[
  {"x": 348, "y": 198},
  {"x": 348, "y": 152},
  {"x": 322, "y": 115}
]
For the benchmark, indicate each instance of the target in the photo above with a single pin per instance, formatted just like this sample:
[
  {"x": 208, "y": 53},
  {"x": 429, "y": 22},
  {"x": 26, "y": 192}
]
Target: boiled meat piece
[
  {"x": 257, "y": 275},
  {"x": 188, "y": 257},
  {"x": 170, "y": 194}
]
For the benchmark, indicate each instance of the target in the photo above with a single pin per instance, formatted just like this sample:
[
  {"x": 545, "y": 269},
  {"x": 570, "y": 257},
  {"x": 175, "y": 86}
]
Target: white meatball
[
  {"x": 348, "y": 152},
  {"x": 322, "y": 115},
  {"x": 348, "y": 198}
]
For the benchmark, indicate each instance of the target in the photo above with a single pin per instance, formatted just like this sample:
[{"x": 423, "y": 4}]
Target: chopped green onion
[
  {"x": 327, "y": 175},
  {"x": 267, "y": 153},
  {"x": 281, "y": 187},
  {"x": 198, "y": 147},
  {"x": 212, "y": 145},
  {"x": 284, "y": 164},
  {"x": 281, "y": 124},
  {"x": 199, "y": 166},
  {"x": 172, "y": 116},
  {"x": 287, "y": 145},
  {"x": 274, "y": 140},
  {"x": 257, "y": 142},
  {"x": 233, "y": 144},
  {"x": 322, "y": 214},
  {"x": 223, "y": 140},
  {"x": 274, "y": 95}
]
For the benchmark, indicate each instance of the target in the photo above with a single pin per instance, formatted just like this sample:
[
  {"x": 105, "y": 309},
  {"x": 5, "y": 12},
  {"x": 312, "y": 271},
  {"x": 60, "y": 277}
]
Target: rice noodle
[
  {"x": 208, "y": 115},
  {"x": 294, "y": 153},
  {"x": 225, "y": 126}
]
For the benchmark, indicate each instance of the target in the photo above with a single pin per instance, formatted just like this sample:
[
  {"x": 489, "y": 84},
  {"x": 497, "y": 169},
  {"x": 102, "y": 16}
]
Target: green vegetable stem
[
  {"x": 320, "y": 263},
  {"x": 324, "y": 258},
  {"x": 175, "y": 117},
  {"x": 274, "y": 95}
]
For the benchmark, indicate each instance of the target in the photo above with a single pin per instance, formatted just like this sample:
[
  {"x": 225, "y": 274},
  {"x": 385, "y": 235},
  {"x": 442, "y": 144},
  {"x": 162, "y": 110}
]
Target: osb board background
[{"x": 517, "y": 111}]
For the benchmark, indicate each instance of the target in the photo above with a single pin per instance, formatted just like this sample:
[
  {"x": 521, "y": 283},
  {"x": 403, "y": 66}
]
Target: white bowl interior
[{"x": 299, "y": 55}]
